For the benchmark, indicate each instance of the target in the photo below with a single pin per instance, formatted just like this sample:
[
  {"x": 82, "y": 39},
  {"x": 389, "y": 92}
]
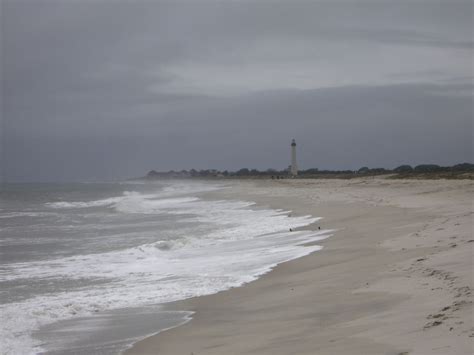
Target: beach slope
[{"x": 395, "y": 277}]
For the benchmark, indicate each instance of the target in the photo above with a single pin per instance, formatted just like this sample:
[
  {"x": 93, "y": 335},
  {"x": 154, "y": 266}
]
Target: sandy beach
[{"x": 395, "y": 277}]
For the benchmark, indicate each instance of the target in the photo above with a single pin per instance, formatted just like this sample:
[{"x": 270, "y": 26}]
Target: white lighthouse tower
[{"x": 294, "y": 167}]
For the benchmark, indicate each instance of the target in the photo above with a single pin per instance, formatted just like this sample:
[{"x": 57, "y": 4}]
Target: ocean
[{"x": 85, "y": 268}]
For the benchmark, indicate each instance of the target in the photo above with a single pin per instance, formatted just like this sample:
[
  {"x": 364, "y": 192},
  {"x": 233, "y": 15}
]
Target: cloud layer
[{"x": 111, "y": 89}]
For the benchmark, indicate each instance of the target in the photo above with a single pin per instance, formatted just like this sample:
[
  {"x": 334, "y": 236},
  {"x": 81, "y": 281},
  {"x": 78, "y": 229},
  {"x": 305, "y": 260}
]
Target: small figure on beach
[
  {"x": 291, "y": 230},
  {"x": 319, "y": 227}
]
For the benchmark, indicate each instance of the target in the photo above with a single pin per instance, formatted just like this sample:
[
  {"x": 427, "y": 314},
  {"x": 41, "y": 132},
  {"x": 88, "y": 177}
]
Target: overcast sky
[{"x": 96, "y": 90}]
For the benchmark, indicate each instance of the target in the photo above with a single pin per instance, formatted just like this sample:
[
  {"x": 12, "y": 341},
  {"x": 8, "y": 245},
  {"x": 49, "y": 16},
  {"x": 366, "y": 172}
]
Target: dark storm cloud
[
  {"x": 104, "y": 89},
  {"x": 341, "y": 127}
]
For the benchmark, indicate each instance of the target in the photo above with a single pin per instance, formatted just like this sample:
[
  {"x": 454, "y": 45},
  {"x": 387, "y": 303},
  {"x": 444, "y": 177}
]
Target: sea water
[{"x": 85, "y": 268}]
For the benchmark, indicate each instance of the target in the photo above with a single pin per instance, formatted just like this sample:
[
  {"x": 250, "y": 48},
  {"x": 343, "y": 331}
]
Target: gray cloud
[{"x": 102, "y": 89}]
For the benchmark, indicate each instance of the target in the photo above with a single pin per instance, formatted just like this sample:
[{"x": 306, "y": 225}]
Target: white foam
[
  {"x": 130, "y": 200},
  {"x": 149, "y": 205},
  {"x": 82, "y": 204},
  {"x": 243, "y": 245}
]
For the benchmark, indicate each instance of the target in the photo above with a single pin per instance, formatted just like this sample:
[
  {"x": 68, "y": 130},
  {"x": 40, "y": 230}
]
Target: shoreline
[{"x": 389, "y": 280}]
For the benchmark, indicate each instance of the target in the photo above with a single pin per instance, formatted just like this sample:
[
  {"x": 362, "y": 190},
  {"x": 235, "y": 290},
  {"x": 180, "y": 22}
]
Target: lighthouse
[{"x": 294, "y": 167}]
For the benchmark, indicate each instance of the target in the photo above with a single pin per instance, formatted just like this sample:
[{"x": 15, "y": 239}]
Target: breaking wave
[{"x": 231, "y": 244}]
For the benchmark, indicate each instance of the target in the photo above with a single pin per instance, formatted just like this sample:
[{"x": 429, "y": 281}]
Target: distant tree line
[
  {"x": 432, "y": 168},
  {"x": 401, "y": 170}
]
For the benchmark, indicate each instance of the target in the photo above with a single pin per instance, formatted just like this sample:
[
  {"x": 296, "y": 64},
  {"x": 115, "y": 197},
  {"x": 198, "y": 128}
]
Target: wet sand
[{"x": 395, "y": 278}]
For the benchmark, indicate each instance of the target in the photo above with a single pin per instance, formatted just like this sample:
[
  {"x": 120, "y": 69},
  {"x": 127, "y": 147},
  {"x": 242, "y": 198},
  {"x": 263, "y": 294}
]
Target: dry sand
[{"x": 395, "y": 278}]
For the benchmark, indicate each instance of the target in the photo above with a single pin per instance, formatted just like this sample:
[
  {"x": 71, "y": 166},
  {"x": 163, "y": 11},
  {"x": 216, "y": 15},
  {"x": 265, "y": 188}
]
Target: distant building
[{"x": 294, "y": 166}]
